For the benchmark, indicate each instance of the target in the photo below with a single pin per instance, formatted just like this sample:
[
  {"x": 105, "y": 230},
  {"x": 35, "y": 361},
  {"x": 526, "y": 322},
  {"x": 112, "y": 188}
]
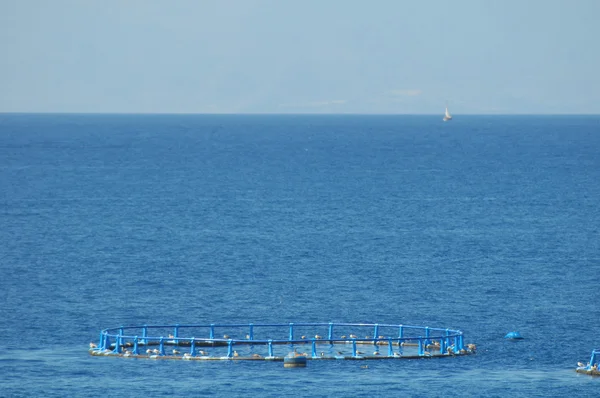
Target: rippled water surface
[{"x": 486, "y": 224}]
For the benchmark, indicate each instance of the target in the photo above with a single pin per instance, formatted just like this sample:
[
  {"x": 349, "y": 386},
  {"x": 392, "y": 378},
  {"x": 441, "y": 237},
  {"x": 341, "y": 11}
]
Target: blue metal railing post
[
  {"x": 330, "y": 332},
  {"x": 212, "y": 331},
  {"x": 376, "y": 333},
  {"x": 421, "y": 349},
  {"x": 461, "y": 343},
  {"x": 442, "y": 345},
  {"x": 230, "y": 348},
  {"x": 448, "y": 339},
  {"x": 427, "y": 334},
  {"x": 270, "y": 347},
  {"x": 193, "y": 347},
  {"x": 390, "y": 347},
  {"x": 314, "y": 348},
  {"x": 353, "y": 347},
  {"x": 291, "y": 331},
  {"x": 162, "y": 346},
  {"x": 176, "y": 332},
  {"x": 117, "y": 349},
  {"x": 135, "y": 346},
  {"x": 251, "y": 334},
  {"x": 145, "y": 334},
  {"x": 119, "y": 342},
  {"x": 400, "y": 331}
]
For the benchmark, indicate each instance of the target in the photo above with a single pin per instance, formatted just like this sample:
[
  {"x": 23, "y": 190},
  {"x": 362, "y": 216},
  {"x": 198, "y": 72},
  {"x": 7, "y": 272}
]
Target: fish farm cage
[
  {"x": 351, "y": 341},
  {"x": 592, "y": 366}
]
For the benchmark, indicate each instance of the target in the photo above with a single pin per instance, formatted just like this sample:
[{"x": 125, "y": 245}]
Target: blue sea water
[{"x": 487, "y": 224}]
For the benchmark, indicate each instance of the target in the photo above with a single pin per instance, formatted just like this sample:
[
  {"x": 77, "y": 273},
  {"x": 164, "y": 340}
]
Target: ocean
[{"x": 486, "y": 224}]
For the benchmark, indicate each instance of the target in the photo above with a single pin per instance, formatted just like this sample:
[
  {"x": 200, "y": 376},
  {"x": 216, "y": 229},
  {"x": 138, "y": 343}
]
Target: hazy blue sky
[{"x": 291, "y": 56}]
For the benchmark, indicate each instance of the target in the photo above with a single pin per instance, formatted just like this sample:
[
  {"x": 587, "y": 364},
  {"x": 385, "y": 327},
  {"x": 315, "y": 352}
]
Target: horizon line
[{"x": 284, "y": 114}]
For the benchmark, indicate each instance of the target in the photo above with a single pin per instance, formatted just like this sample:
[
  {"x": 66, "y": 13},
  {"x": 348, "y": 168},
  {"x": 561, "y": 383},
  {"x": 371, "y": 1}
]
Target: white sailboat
[{"x": 447, "y": 115}]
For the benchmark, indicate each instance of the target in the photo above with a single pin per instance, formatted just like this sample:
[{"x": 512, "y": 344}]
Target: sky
[{"x": 300, "y": 56}]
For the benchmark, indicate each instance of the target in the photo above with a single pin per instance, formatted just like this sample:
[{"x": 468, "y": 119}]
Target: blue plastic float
[
  {"x": 514, "y": 336},
  {"x": 294, "y": 360},
  {"x": 275, "y": 341}
]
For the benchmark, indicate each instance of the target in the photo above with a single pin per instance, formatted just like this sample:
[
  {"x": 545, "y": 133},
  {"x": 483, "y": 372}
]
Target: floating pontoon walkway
[{"x": 349, "y": 341}]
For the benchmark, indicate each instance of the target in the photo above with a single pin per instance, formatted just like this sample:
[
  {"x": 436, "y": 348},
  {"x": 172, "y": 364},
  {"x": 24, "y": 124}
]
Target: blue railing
[
  {"x": 595, "y": 358},
  {"x": 265, "y": 341},
  {"x": 592, "y": 366}
]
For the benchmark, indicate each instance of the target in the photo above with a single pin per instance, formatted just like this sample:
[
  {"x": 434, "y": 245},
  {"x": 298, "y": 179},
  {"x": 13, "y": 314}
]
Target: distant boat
[{"x": 447, "y": 115}]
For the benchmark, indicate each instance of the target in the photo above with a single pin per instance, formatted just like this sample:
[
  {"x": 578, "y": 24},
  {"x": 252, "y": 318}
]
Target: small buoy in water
[
  {"x": 294, "y": 360},
  {"x": 514, "y": 336}
]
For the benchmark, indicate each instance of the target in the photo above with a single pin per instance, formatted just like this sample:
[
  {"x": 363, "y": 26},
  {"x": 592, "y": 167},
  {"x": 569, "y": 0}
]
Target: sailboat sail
[{"x": 447, "y": 115}]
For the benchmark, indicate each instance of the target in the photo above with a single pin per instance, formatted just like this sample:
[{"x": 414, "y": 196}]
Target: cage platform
[
  {"x": 592, "y": 366},
  {"x": 315, "y": 341}
]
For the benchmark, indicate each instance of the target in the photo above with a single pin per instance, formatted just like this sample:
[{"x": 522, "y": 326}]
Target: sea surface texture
[{"x": 487, "y": 224}]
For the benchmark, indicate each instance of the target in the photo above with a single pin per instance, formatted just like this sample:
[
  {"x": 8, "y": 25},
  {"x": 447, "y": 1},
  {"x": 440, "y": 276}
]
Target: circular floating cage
[
  {"x": 351, "y": 341},
  {"x": 592, "y": 366}
]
